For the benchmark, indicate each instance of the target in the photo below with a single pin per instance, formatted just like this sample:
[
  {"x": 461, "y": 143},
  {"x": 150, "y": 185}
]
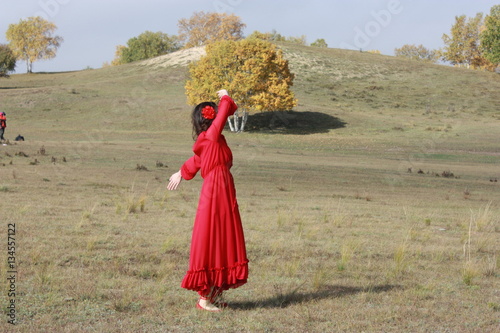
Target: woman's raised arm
[{"x": 226, "y": 108}]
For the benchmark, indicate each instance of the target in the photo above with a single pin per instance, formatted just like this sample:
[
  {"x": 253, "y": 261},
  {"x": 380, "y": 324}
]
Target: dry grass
[{"x": 340, "y": 236}]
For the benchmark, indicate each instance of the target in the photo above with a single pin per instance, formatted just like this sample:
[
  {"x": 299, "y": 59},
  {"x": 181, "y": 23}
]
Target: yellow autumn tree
[
  {"x": 204, "y": 28},
  {"x": 254, "y": 71},
  {"x": 118, "y": 60},
  {"x": 463, "y": 46},
  {"x": 32, "y": 39}
]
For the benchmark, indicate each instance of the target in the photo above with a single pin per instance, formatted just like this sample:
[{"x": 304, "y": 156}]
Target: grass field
[{"x": 372, "y": 207}]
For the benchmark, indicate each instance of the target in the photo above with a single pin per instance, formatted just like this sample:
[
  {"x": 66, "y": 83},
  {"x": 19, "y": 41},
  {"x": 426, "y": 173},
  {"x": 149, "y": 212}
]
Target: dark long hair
[{"x": 201, "y": 124}]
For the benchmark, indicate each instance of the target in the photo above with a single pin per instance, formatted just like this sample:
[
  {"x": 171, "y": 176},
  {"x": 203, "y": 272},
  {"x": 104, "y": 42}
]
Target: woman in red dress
[{"x": 218, "y": 258}]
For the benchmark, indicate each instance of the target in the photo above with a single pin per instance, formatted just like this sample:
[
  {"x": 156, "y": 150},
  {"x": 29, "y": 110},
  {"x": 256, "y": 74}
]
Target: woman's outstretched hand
[
  {"x": 222, "y": 93},
  {"x": 174, "y": 181}
]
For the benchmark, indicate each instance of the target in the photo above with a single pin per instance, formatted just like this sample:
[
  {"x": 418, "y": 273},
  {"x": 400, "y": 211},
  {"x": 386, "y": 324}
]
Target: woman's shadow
[
  {"x": 281, "y": 300},
  {"x": 292, "y": 122}
]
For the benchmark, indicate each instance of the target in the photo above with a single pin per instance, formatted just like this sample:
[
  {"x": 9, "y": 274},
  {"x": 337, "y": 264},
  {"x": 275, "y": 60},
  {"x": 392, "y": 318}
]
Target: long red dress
[{"x": 218, "y": 258}]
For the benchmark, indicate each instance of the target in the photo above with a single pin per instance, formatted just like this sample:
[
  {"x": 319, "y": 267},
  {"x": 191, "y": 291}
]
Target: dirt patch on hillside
[{"x": 178, "y": 58}]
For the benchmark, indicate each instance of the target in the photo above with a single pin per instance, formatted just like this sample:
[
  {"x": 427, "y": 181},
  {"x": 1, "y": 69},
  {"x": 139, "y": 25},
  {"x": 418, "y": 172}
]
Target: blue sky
[{"x": 93, "y": 28}]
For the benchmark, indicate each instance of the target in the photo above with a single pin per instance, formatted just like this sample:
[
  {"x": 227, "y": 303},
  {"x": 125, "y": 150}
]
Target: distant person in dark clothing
[{"x": 3, "y": 125}]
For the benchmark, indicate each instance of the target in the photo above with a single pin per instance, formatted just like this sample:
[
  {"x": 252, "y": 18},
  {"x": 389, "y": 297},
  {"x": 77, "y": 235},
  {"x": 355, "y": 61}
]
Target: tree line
[
  {"x": 474, "y": 42},
  {"x": 199, "y": 30},
  {"x": 33, "y": 39}
]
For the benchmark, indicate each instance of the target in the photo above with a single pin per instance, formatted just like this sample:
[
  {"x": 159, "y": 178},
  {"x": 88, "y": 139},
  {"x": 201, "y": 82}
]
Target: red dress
[{"x": 218, "y": 258}]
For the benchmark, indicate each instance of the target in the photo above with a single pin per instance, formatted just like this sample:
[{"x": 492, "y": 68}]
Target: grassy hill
[
  {"x": 373, "y": 206},
  {"x": 374, "y": 95}
]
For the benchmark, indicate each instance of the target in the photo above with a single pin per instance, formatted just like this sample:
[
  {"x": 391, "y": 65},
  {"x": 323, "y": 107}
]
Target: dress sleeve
[
  {"x": 226, "y": 108},
  {"x": 191, "y": 167}
]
